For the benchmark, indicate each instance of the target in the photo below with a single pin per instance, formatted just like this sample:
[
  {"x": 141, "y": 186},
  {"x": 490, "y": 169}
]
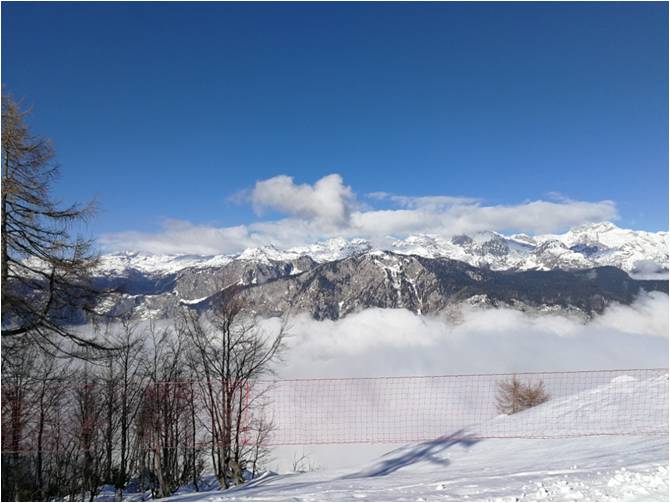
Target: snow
[
  {"x": 333, "y": 249},
  {"x": 392, "y": 266},
  {"x": 464, "y": 467},
  {"x": 622, "y": 248},
  {"x": 118, "y": 263},
  {"x": 266, "y": 254},
  {"x": 622, "y": 469},
  {"x": 192, "y": 301}
]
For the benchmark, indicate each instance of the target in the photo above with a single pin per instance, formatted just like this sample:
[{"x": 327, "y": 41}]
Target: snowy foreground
[
  {"x": 592, "y": 468},
  {"x": 585, "y": 469}
]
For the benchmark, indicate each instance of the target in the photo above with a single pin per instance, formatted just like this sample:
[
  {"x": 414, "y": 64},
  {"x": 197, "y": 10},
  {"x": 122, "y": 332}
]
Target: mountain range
[{"x": 584, "y": 269}]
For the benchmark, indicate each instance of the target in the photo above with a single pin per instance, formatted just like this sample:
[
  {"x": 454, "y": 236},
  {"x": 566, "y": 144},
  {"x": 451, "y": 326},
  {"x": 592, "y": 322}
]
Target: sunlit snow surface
[
  {"x": 590, "y": 469},
  {"x": 600, "y": 468}
]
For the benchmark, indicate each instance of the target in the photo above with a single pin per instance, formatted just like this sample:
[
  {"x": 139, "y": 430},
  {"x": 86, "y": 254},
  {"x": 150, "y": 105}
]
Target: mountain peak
[{"x": 596, "y": 227}]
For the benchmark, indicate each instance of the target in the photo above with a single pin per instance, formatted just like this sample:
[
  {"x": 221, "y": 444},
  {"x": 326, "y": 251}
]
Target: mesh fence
[
  {"x": 190, "y": 414},
  {"x": 405, "y": 409}
]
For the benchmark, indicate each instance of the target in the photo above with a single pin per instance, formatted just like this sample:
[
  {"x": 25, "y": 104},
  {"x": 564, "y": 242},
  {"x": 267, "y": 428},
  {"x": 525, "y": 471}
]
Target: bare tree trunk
[
  {"x": 158, "y": 468},
  {"x": 109, "y": 432},
  {"x": 40, "y": 436},
  {"x": 194, "y": 458}
]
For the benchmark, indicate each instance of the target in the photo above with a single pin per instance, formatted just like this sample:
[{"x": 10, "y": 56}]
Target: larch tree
[
  {"x": 45, "y": 269},
  {"x": 513, "y": 395}
]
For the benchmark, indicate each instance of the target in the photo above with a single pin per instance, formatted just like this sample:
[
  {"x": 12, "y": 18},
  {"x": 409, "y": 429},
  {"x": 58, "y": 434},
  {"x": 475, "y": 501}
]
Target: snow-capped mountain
[
  {"x": 636, "y": 252},
  {"x": 119, "y": 263},
  {"x": 593, "y": 245}
]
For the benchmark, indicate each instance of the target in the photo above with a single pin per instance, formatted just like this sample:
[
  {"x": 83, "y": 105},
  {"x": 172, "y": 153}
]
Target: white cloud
[
  {"x": 329, "y": 208},
  {"x": 531, "y": 217},
  {"x": 328, "y": 201},
  {"x": 179, "y": 236}
]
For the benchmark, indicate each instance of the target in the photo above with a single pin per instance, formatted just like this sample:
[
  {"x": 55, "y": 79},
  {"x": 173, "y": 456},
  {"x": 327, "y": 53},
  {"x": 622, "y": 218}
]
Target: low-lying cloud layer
[
  {"x": 329, "y": 208},
  {"x": 385, "y": 342}
]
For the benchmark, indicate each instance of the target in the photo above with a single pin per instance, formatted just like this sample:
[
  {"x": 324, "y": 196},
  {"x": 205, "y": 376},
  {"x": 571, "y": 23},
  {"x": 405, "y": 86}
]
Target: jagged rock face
[
  {"x": 387, "y": 280},
  {"x": 495, "y": 246},
  {"x": 337, "y": 288},
  {"x": 195, "y": 282},
  {"x": 585, "y": 249},
  {"x": 134, "y": 282},
  {"x": 462, "y": 240},
  {"x": 422, "y": 285},
  {"x": 156, "y": 294}
]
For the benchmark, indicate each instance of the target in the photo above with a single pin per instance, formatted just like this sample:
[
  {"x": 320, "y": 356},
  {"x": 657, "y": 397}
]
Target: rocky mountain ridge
[{"x": 584, "y": 270}]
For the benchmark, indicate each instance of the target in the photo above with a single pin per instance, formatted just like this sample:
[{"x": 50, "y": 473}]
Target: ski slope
[
  {"x": 462, "y": 467},
  {"x": 586, "y": 469}
]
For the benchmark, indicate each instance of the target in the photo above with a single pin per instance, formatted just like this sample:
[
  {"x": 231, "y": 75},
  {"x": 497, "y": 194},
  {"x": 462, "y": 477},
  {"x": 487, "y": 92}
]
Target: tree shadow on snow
[
  {"x": 429, "y": 451},
  {"x": 271, "y": 485}
]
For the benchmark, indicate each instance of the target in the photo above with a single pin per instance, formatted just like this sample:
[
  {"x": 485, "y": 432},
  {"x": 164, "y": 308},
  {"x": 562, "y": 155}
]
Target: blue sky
[{"x": 171, "y": 113}]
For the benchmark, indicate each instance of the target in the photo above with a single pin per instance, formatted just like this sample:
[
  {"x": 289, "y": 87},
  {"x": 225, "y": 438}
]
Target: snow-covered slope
[
  {"x": 620, "y": 469},
  {"x": 120, "y": 263},
  {"x": 585, "y": 469},
  {"x": 334, "y": 249},
  {"x": 599, "y": 468},
  {"x": 607, "y": 244},
  {"x": 602, "y": 244},
  {"x": 637, "y": 252}
]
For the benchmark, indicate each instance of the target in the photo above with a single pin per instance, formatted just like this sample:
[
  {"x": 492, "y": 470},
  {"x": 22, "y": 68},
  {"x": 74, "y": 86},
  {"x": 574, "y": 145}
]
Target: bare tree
[
  {"x": 17, "y": 412},
  {"x": 48, "y": 398},
  {"x": 513, "y": 395},
  {"x": 45, "y": 270},
  {"x": 129, "y": 383},
  {"x": 163, "y": 420},
  {"x": 302, "y": 463},
  {"x": 87, "y": 431},
  {"x": 143, "y": 411},
  {"x": 33, "y": 401},
  {"x": 260, "y": 429},
  {"x": 230, "y": 353}
]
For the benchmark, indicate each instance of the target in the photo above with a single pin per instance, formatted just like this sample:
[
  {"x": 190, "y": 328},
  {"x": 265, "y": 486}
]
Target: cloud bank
[
  {"x": 396, "y": 342},
  {"x": 329, "y": 208}
]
